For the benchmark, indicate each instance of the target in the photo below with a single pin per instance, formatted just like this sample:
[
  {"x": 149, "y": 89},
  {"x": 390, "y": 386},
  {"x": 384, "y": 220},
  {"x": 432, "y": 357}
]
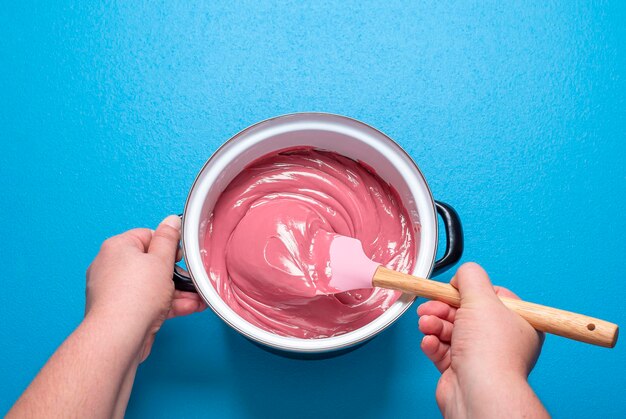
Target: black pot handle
[
  {"x": 454, "y": 238},
  {"x": 182, "y": 280}
]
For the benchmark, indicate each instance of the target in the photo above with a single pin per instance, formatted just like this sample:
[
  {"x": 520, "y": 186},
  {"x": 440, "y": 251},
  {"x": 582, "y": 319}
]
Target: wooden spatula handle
[{"x": 546, "y": 319}]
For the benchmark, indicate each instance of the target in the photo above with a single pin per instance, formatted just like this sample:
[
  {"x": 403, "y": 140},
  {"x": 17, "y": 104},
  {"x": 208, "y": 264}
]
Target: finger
[
  {"x": 473, "y": 283},
  {"x": 183, "y": 306},
  {"x": 140, "y": 236},
  {"x": 431, "y": 325},
  {"x": 165, "y": 239},
  {"x": 187, "y": 294},
  {"x": 504, "y": 292},
  {"x": 437, "y": 351},
  {"x": 437, "y": 308},
  {"x": 179, "y": 254},
  {"x": 136, "y": 239}
]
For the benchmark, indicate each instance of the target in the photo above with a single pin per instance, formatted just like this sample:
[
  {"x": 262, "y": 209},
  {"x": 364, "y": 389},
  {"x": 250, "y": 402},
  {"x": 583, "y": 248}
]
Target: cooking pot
[{"x": 342, "y": 135}]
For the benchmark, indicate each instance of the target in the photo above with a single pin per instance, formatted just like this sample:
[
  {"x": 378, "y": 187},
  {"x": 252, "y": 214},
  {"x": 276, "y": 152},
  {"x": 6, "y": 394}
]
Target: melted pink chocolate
[{"x": 267, "y": 242}]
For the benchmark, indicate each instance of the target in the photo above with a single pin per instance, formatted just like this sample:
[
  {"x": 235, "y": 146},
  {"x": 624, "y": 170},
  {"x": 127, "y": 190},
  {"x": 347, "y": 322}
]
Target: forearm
[
  {"x": 88, "y": 374},
  {"x": 124, "y": 394}
]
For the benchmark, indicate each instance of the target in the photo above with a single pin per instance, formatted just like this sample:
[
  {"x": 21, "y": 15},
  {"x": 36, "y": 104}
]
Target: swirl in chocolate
[{"x": 268, "y": 237}]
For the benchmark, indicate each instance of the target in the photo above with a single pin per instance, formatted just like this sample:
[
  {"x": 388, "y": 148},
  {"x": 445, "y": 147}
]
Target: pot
[{"x": 342, "y": 135}]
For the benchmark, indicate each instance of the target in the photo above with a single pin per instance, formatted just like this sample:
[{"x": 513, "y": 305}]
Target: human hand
[
  {"x": 130, "y": 280},
  {"x": 483, "y": 349}
]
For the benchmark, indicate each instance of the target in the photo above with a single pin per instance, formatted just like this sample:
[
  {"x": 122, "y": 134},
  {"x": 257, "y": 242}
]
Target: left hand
[{"x": 131, "y": 280}]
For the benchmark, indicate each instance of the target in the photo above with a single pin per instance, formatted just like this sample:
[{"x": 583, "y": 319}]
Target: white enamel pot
[{"x": 342, "y": 135}]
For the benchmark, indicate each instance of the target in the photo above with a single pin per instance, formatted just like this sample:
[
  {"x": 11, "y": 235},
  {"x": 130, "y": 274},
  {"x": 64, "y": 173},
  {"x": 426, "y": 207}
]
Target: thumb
[
  {"x": 165, "y": 239},
  {"x": 473, "y": 284}
]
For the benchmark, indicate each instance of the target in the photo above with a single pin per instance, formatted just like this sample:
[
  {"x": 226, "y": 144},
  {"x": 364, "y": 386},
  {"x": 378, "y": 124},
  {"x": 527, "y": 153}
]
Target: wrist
[
  {"x": 121, "y": 330},
  {"x": 495, "y": 382},
  {"x": 136, "y": 317},
  {"x": 501, "y": 394}
]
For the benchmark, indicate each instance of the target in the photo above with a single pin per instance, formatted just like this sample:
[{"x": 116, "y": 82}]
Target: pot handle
[
  {"x": 454, "y": 238},
  {"x": 182, "y": 280}
]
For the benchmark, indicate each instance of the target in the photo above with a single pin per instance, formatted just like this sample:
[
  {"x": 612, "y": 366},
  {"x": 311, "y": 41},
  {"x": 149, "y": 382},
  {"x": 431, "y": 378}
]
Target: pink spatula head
[{"x": 350, "y": 268}]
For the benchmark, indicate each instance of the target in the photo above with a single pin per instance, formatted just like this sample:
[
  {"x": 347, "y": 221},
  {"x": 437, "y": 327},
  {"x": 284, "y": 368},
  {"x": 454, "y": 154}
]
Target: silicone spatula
[{"x": 351, "y": 269}]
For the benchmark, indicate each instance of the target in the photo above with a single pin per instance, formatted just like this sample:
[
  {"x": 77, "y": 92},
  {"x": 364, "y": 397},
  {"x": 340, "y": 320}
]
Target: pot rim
[{"x": 405, "y": 299}]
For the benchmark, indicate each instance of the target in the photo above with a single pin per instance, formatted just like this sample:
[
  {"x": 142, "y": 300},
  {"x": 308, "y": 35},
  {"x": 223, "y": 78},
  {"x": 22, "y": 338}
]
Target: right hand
[{"x": 480, "y": 348}]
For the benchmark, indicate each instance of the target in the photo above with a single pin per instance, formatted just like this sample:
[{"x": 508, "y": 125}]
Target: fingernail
[{"x": 172, "y": 221}]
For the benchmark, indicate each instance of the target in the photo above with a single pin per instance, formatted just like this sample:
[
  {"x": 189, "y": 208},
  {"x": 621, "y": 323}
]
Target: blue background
[{"x": 514, "y": 112}]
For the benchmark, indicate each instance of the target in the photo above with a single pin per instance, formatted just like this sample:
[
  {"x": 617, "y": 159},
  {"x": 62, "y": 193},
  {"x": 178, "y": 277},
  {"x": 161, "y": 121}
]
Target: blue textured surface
[{"x": 514, "y": 112}]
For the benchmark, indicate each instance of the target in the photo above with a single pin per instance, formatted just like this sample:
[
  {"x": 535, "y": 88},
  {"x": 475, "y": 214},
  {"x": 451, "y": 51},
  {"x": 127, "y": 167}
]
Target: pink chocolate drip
[{"x": 267, "y": 242}]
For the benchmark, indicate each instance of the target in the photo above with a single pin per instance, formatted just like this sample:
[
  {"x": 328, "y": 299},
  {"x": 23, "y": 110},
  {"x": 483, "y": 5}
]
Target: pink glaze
[{"x": 267, "y": 246}]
